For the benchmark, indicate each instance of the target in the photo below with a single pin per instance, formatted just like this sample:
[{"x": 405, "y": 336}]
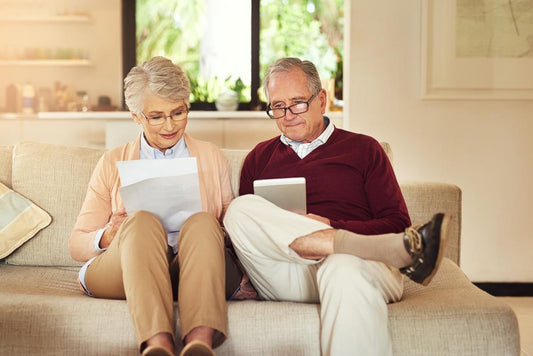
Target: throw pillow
[{"x": 20, "y": 220}]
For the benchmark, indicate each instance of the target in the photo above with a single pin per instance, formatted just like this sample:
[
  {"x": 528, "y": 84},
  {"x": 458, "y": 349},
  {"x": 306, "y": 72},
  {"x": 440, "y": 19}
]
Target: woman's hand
[{"x": 114, "y": 224}]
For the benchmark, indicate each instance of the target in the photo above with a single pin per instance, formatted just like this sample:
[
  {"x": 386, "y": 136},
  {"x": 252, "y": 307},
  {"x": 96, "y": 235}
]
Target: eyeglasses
[
  {"x": 298, "y": 108},
  {"x": 160, "y": 119}
]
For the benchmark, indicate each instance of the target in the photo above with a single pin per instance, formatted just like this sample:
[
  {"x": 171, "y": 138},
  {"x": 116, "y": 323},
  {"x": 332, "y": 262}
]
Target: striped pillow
[{"x": 20, "y": 220}]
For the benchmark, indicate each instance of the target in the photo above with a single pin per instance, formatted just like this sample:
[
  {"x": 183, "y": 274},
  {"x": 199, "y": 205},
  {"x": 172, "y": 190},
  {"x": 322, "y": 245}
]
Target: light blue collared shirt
[
  {"x": 179, "y": 150},
  {"x": 303, "y": 149}
]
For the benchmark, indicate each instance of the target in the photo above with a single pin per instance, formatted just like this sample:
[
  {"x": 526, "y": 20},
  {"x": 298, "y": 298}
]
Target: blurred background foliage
[{"x": 308, "y": 29}]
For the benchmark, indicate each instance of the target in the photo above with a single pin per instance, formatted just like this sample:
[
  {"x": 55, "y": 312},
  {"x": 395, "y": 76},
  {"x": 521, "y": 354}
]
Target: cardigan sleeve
[
  {"x": 226, "y": 194},
  {"x": 95, "y": 212}
]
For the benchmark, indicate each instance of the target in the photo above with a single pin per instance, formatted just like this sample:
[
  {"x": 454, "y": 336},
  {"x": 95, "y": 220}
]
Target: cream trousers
[{"x": 353, "y": 292}]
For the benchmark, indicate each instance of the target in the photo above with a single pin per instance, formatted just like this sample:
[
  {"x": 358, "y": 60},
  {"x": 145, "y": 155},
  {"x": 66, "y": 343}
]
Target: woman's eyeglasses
[{"x": 160, "y": 119}]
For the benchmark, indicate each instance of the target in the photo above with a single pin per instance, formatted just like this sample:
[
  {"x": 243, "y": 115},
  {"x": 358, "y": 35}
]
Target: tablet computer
[{"x": 287, "y": 193}]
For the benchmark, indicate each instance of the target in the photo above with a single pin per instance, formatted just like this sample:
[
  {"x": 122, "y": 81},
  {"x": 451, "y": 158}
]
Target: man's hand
[
  {"x": 316, "y": 245},
  {"x": 114, "y": 224},
  {"x": 319, "y": 218}
]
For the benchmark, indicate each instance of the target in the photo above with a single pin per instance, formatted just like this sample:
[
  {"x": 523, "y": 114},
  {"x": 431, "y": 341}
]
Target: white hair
[{"x": 158, "y": 76}]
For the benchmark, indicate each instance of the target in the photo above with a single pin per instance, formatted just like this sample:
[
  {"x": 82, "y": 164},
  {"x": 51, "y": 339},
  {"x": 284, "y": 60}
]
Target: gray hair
[
  {"x": 158, "y": 76},
  {"x": 289, "y": 63}
]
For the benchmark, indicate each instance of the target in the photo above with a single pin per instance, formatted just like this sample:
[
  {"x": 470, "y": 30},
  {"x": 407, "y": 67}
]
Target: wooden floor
[{"x": 523, "y": 307}]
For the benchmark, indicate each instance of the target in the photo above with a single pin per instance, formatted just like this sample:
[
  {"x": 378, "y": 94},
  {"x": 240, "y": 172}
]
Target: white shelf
[
  {"x": 126, "y": 115},
  {"x": 47, "y": 63},
  {"x": 53, "y": 19}
]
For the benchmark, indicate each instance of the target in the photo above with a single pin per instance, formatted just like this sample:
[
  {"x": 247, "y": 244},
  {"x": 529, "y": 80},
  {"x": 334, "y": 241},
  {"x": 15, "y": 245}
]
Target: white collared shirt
[
  {"x": 303, "y": 149},
  {"x": 177, "y": 151}
]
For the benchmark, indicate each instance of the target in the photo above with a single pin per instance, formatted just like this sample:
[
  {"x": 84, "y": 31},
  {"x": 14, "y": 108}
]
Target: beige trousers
[
  {"x": 138, "y": 267},
  {"x": 353, "y": 292}
]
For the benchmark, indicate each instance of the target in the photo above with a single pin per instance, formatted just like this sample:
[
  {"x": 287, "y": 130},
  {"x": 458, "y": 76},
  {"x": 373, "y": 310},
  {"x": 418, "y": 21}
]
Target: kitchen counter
[
  {"x": 107, "y": 129},
  {"x": 121, "y": 115}
]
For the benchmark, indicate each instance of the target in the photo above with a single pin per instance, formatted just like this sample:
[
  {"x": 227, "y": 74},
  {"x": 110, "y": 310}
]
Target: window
[{"x": 227, "y": 45}]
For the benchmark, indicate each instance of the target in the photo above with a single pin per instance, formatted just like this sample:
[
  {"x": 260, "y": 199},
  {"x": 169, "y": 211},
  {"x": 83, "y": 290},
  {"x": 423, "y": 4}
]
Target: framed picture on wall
[{"x": 477, "y": 49}]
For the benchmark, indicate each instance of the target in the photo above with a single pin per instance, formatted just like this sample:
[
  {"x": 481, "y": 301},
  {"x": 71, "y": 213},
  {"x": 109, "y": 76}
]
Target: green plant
[
  {"x": 204, "y": 90},
  {"x": 237, "y": 86}
]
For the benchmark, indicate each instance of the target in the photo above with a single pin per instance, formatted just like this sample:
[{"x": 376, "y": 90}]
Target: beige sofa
[{"x": 42, "y": 312}]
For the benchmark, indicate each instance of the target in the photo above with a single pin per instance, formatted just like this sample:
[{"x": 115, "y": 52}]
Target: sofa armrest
[{"x": 424, "y": 199}]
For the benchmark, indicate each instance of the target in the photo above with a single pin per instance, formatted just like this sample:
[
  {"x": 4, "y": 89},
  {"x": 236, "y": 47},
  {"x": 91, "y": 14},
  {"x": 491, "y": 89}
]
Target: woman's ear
[{"x": 136, "y": 118}]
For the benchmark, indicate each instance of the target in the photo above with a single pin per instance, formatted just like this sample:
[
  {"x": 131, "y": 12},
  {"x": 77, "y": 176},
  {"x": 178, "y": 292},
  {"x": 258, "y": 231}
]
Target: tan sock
[{"x": 387, "y": 248}]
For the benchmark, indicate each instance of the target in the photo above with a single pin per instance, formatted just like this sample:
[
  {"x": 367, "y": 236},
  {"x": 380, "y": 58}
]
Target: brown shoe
[
  {"x": 426, "y": 244},
  {"x": 156, "y": 351},
  {"x": 197, "y": 348}
]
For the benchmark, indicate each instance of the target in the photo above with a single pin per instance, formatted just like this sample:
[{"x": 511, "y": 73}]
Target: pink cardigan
[{"x": 102, "y": 197}]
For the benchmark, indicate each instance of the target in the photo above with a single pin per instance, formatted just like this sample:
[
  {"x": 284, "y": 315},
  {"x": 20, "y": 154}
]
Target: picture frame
[{"x": 447, "y": 76}]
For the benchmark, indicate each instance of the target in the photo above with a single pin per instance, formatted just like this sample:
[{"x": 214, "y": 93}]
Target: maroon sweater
[{"x": 349, "y": 180}]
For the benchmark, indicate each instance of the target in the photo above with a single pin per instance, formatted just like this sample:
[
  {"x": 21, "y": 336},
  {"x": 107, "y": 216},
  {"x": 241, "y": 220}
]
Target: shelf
[
  {"x": 56, "y": 19},
  {"x": 126, "y": 115},
  {"x": 47, "y": 63}
]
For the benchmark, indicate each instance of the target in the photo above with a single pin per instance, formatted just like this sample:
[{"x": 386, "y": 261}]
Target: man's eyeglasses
[
  {"x": 160, "y": 119},
  {"x": 298, "y": 108}
]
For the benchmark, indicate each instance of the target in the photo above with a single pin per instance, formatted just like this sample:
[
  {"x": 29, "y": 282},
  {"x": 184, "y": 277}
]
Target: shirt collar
[
  {"x": 148, "y": 152},
  {"x": 322, "y": 138}
]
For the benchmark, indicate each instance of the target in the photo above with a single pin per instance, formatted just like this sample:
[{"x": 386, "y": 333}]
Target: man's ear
[{"x": 323, "y": 97}]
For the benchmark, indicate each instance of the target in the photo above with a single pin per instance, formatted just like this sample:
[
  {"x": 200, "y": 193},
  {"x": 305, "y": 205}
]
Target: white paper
[
  {"x": 137, "y": 170},
  {"x": 167, "y": 188}
]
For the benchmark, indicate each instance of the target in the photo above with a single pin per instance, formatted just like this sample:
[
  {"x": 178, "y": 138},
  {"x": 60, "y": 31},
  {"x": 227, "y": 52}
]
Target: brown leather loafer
[{"x": 426, "y": 244}]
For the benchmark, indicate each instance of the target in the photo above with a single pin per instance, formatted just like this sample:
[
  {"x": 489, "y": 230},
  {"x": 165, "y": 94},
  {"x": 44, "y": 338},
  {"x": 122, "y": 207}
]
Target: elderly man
[{"x": 349, "y": 251}]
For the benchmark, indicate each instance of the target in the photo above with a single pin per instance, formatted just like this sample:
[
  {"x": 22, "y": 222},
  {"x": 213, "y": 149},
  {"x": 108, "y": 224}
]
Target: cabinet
[{"x": 226, "y": 129}]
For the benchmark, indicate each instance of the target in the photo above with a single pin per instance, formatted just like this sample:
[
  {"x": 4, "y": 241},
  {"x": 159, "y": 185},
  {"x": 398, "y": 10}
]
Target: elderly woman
[{"x": 131, "y": 256}]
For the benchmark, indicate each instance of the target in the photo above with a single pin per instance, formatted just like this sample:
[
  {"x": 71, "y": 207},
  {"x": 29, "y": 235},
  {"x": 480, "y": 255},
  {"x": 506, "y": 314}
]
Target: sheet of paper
[
  {"x": 169, "y": 189},
  {"x": 137, "y": 170}
]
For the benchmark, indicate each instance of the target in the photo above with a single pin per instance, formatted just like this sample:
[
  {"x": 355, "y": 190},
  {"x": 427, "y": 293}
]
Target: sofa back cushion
[
  {"x": 54, "y": 177},
  {"x": 6, "y": 159}
]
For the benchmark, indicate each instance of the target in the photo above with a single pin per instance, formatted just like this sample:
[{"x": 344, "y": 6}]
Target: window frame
[{"x": 129, "y": 51}]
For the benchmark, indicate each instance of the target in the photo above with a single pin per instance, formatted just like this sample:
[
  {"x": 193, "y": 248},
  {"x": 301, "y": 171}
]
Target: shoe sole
[{"x": 444, "y": 230}]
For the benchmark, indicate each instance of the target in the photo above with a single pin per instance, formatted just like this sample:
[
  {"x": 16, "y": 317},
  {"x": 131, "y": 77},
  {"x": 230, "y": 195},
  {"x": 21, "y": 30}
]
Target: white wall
[{"x": 484, "y": 147}]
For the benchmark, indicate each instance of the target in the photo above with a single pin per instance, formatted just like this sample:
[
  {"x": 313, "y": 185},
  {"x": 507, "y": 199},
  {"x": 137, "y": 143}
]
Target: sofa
[{"x": 42, "y": 311}]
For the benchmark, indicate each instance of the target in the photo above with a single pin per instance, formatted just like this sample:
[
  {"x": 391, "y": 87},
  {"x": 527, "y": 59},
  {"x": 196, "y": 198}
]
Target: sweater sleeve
[{"x": 385, "y": 200}]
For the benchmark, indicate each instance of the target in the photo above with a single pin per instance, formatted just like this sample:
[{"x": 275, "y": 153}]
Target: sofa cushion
[
  {"x": 44, "y": 313},
  {"x": 6, "y": 160},
  {"x": 20, "y": 220},
  {"x": 235, "y": 160},
  {"x": 55, "y": 177}
]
